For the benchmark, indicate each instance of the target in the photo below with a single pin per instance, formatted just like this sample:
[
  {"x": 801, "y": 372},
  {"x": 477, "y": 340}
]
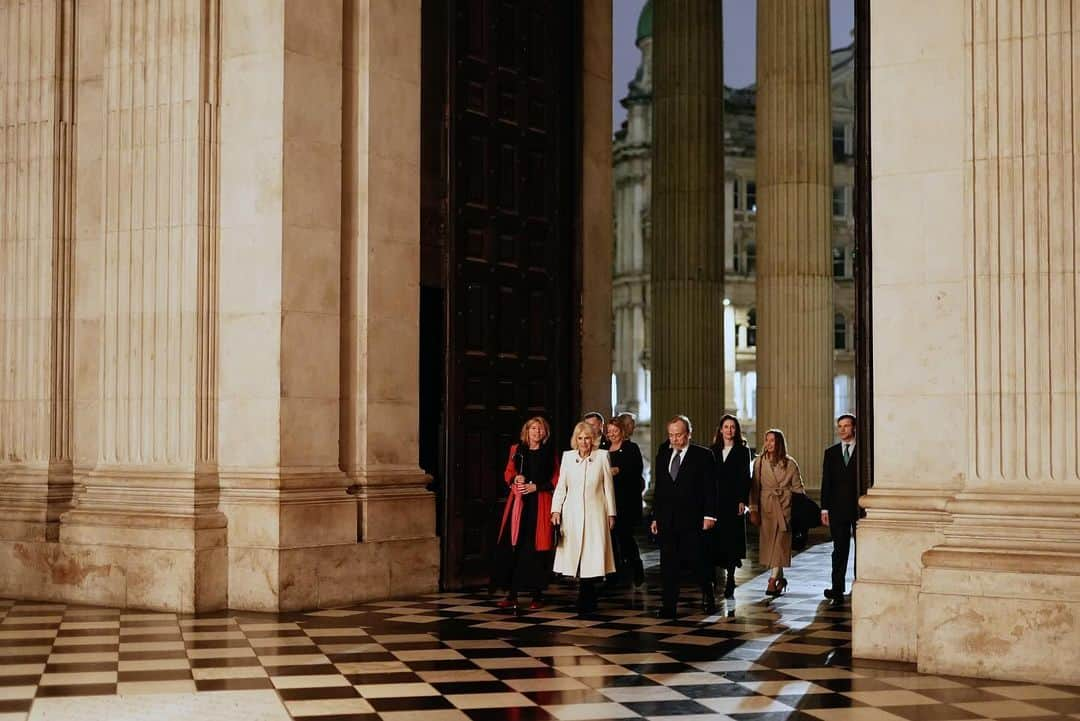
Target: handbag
[
  {"x": 755, "y": 518},
  {"x": 805, "y": 513},
  {"x": 556, "y": 535}
]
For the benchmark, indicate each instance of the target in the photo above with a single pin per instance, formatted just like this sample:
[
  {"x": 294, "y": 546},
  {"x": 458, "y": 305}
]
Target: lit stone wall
[
  {"x": 969, "y": 560},
  {"x": 36, "y": 185},
  {"x": 209, "y": 288}
]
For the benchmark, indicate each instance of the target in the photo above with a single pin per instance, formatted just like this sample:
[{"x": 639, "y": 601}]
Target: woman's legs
[
  {"x": 586, "y": 602},
  {"x": 729, "y": 585}
]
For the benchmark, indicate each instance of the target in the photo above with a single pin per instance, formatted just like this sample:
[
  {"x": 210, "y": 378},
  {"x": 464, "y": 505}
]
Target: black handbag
[
  {"x": 556, "y": 535},
  {"x": 805, "y": 513}
]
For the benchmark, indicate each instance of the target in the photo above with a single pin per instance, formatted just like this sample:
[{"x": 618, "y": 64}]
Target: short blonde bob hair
[
  {"x": 538, "y": 420},
  {"x": 582, "y": 426}
]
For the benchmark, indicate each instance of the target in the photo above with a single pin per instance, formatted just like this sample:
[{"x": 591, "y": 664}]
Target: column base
[
  {"x": 160, "y": 579},
  {"x": 394, "y": 503},
  {"x": 33, "y": 497},
  {"x": 141, "y": 537},
  {"x": 294, "y": 579},
  {"x": 1000, "y": 614},
  {"x": 901, "y": 524}
]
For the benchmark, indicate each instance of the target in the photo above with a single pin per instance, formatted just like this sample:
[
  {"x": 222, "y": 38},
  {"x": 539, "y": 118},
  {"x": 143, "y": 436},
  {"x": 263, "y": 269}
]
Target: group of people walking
[{"x": 576, "y": 513}]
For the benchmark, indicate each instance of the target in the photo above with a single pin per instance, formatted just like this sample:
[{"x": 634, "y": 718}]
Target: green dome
[{"x": 644, "y": 23}]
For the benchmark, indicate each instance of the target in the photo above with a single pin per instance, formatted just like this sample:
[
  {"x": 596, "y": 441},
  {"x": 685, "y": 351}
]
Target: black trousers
[
  {"x": 683, "y": 550},
  {"x": 842, "y": 530},
  {"x": 627, "y": 555}
]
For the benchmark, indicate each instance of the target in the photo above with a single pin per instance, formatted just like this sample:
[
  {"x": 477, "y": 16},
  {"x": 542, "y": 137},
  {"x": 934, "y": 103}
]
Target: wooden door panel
[{"x": 510, "y": 312}]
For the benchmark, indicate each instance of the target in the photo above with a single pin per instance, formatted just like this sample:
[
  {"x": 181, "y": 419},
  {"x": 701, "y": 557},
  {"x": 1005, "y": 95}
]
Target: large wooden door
[{"x": 510, "y": 149}]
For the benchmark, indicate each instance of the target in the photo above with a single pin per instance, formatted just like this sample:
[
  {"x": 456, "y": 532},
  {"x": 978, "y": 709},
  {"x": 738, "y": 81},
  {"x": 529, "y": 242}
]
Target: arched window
[{"x": 839, "y": 332}]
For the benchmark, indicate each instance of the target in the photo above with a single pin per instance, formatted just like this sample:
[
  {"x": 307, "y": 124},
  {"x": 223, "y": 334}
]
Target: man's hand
[
  {"x": 742, "y": 509},
  {"x": 824, "y": 518},
  {"x": 610, "y": 522},
  {"x": 707, "y": 524},
  {"x": 652, "y": 528},
  {"x": 615, "y": 471}
]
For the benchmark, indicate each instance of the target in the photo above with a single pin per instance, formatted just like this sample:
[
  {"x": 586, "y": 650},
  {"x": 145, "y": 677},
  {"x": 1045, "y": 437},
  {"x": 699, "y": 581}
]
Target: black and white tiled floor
[{"x": 455, "y": 656}]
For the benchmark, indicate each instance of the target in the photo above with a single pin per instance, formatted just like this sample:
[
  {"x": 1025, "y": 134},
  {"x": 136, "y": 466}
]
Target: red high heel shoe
[
  {"x": 507, "y": 602},
  {"x": 781, "y": 585},
  {"x": 771, "y": 589}
]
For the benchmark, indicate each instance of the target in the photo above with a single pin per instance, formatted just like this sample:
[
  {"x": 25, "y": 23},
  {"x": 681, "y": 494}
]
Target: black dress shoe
[
  {"x": 832, "y": 594},
  {"x": 665, "y": 612},
  {"x": 709, "y": 606}
]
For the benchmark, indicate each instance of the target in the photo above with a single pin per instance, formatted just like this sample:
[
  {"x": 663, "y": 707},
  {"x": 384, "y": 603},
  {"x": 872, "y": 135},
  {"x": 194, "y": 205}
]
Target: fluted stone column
[
  {"x": 794, "y": 195},
  {"x": 687, "y": 215},
  {"x": 36, "y": 190}
]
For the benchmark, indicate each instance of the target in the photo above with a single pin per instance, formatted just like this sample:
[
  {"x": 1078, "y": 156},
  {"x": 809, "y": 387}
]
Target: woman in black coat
[
  {"x": 733, "y": 463},
  {"x": 627, "y": 467}
]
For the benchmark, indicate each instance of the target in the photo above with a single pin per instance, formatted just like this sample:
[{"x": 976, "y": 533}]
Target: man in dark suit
[
  {"x": 840, "y": 491},
  {"x": 684, "y": 506},
  {"x": 596, "y": 422}
]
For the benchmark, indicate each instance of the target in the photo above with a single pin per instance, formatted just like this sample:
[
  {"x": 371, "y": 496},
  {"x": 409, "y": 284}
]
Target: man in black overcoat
[
  {"x": 684, "y": 506},
  {"x": 840, "y": 491}
]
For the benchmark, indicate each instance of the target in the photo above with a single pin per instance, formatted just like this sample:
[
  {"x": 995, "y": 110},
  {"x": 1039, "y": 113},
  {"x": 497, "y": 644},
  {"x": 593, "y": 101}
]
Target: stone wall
[
  {"x": 969, "y": 559},
  {"x": 209, "y": 322}
]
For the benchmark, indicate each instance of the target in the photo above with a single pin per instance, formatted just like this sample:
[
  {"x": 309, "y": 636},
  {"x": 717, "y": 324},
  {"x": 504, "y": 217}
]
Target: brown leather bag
[{"x": 755, "y": 518}]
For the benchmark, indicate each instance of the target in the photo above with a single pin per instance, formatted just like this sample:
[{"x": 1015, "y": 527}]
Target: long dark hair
[
  {"x": 718, "y": 437},
  {"x": 780, "y": 456}
]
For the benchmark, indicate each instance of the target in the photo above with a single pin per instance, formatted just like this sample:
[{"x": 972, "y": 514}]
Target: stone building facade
[{"x": 631, "y": 286}]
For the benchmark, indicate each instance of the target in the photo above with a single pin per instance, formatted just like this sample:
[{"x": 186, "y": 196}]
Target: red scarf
[{"x": 515, "y": 503}]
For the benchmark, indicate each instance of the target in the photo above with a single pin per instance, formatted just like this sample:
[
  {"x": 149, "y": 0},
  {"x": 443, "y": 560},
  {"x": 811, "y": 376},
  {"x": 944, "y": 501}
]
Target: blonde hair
[
  {"x": 582, "y": 426},
  {"x": 539, "y": 420}
]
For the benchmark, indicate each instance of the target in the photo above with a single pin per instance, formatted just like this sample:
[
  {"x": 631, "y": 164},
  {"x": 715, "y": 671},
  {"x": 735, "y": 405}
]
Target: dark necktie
[
  {"x": 847, "y": 453},
  {"x": 676, "y": 461}
]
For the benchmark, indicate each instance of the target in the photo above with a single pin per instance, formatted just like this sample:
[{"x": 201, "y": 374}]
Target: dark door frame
[{"x": 864, "y": 307}]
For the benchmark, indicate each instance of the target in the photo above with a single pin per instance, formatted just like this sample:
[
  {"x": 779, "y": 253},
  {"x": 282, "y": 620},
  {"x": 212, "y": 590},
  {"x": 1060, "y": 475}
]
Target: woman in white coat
[{"x": 584, "y": 509}]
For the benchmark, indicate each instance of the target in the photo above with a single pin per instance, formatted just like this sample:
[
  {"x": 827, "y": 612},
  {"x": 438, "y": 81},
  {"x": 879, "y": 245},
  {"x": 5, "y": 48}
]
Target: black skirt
[{"x": 522, "y": 568}]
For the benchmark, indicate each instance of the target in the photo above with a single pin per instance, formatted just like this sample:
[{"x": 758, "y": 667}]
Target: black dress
[
  {"x": 522, "y": 567},
  {"x": 729, "y": 541},
  {"x": 629, "y": 484}
]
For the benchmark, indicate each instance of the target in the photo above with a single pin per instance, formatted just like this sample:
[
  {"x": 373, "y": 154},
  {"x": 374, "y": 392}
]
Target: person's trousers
[
  {"x": 842, "y": 530},
  {"x": 628, "y": 557},
  {"x": 679, "y": 550}
]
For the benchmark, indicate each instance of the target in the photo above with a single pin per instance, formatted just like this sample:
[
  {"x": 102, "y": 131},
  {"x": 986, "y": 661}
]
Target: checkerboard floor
[{"x": 451, "y": 656}]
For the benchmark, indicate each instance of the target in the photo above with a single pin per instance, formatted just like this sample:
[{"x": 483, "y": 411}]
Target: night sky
[{"x": 739, "y": 35}]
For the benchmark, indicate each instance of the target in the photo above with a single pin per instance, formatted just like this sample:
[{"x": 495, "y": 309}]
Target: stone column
[
  {"x": 380, "y": 281},
  {"x": 687, "y": 353},
  {"x": 1000, "y": 596},
  {"x": 151, "y": 498},
  {"x": 970, "y": 558},
  {"x": 794, "y": 223},
  {"x": 37, "y": 114},
  {"x": 292, "y": 524},
  {"x": 595, "y": 201}
]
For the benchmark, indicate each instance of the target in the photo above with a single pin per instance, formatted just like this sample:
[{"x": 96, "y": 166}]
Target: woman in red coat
[{"x": 523, "y": 552}]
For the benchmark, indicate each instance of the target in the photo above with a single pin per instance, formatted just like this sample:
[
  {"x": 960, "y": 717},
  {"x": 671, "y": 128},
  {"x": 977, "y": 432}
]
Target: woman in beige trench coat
[
  {"x": 776, "y": 476},
  {"x": 583, "y": 507}
]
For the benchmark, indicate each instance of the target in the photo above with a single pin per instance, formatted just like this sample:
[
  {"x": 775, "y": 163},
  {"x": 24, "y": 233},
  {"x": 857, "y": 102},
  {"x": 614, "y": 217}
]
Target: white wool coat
[{"x": 585, "y": 496}]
